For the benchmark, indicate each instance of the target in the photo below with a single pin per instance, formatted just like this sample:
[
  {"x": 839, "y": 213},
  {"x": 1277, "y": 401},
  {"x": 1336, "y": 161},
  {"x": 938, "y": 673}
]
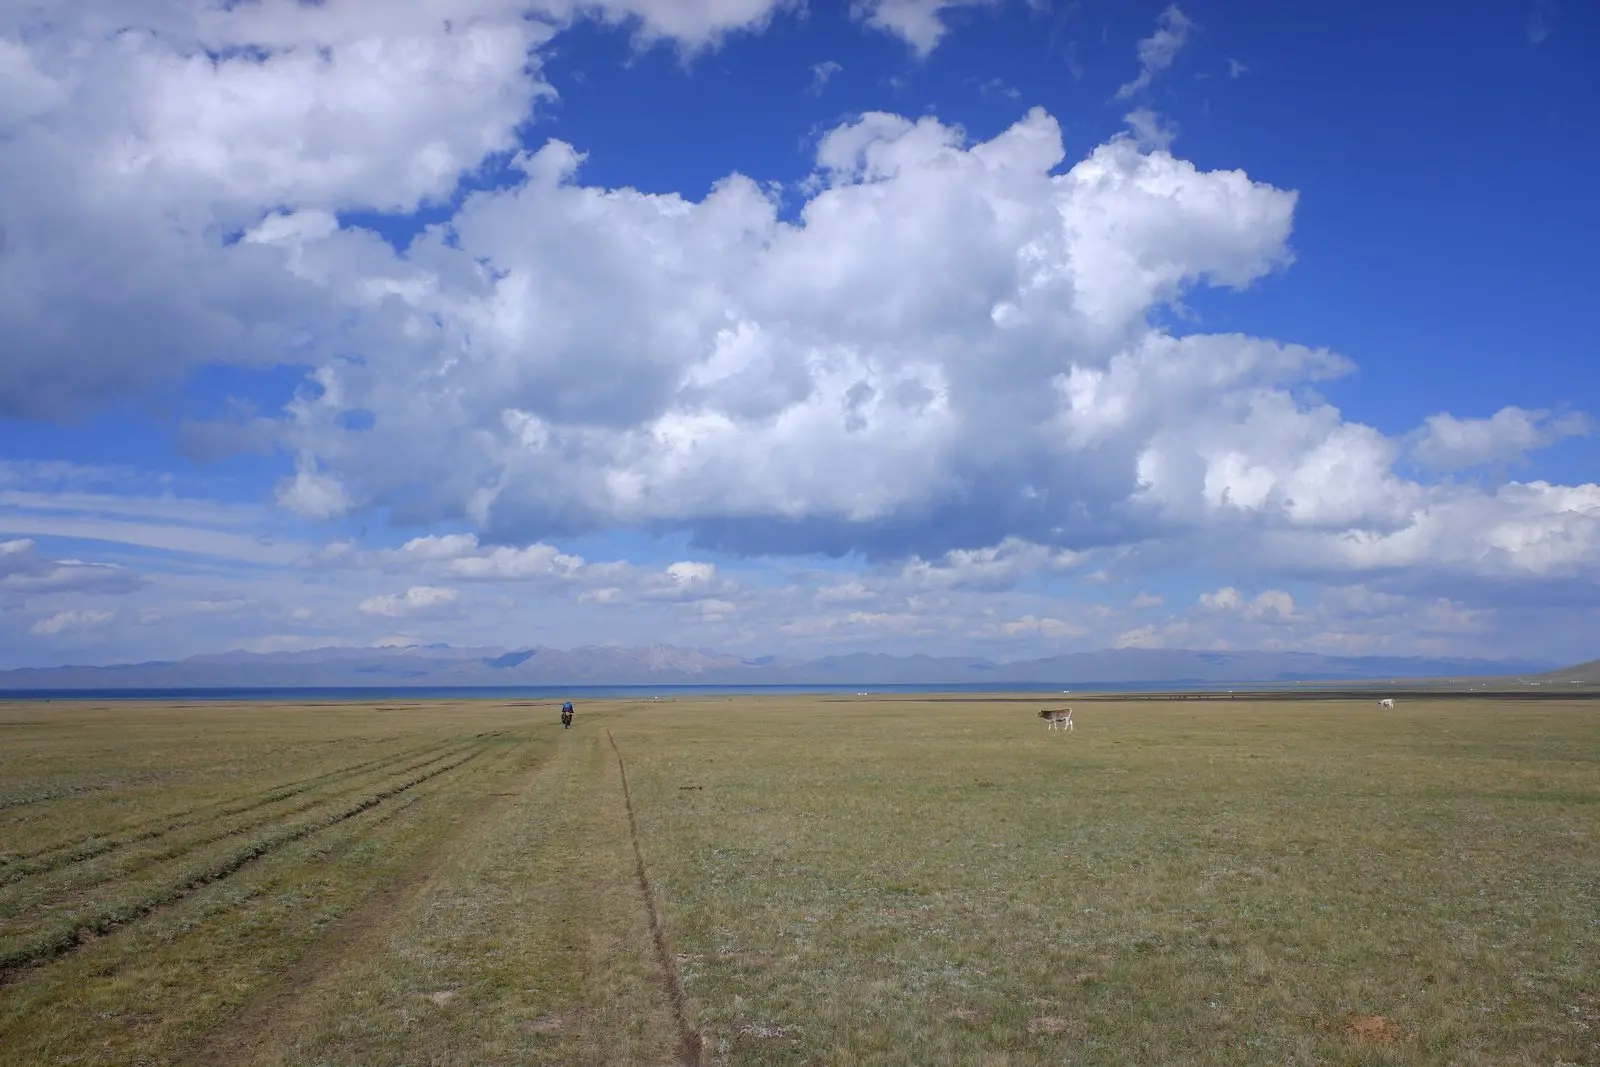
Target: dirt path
[
  {"x": 691, "y": 1046},
  {"x": 270, "y": 1020}
]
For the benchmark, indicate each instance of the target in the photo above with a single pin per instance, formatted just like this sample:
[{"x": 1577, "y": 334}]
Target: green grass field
[{"x": 830, "y": 881}]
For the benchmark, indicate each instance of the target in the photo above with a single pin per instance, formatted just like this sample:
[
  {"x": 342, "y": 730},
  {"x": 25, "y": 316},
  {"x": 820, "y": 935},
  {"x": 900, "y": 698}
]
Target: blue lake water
[{"x": 596, "y": 692}]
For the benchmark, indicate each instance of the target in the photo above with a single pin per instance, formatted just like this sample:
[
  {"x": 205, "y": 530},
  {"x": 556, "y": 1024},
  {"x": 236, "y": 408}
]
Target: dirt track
[
  {"x": 267, "y": 1024},
  {"x": 691, "y": 1046}
]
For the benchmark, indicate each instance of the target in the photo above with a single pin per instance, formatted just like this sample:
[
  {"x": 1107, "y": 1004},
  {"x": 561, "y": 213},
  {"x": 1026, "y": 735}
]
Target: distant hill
[
  {"x": 443, "y": 665},
  {"x": 1582, "y": 674}
]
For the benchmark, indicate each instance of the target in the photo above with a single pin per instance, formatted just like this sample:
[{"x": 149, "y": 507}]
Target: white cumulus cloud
[
  {"x": 780, "y": 385},
  {"x": 1269, "y": 604},
  {"x": 417, "y": 600},
  {"x": 1447, "y": 443},
  {"x": 143, "y": 137},
  {"x": 920, "y": 23}
]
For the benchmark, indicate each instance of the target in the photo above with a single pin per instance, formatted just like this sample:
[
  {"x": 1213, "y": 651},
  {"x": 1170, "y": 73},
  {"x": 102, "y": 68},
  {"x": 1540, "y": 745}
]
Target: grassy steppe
[{"x": 873, "y": 881}]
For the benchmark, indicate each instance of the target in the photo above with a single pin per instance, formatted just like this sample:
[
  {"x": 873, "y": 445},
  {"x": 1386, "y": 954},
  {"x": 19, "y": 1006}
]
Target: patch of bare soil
[
  {"x": 1372, "y": 1030},
  {"x": 269, "y": 1019},
  {"x": 749, "y": 960},
  {"x": 546, "y": 1024}
]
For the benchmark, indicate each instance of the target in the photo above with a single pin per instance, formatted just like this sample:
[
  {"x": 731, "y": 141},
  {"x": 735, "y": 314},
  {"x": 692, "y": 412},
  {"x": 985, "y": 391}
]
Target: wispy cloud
[
  {"x": 1069, "y": 55},
  {"x": 57, "y": 501},
  {"x": 63, "y": 622},
  {"x": 998, "y": 87},
  {"x": 821, "y": 74},
  {"x": 161, "y": 537},
  {"x": 1045, "y": 627},
  {"x": 1537, "y": 28},
  {"x": 25, "y": 573},
  {"x": 1157, "y": 51}
]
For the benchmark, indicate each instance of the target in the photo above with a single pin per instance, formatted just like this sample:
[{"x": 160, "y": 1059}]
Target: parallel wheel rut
[
  {"x": 17, "y": 866},
  {"x": 63, "y": 941},
  {"x": 77, "y": 878}
]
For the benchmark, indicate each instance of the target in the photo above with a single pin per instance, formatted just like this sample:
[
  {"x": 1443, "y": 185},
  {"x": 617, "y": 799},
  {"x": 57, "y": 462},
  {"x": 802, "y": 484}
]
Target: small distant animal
[
  {"x": 1054, "y": 717},
  {"x": 1386, "y": 702}
]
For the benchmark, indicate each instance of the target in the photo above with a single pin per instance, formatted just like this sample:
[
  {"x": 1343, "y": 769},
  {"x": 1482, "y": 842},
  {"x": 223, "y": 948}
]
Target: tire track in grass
[
  {"x": 267, "y": 1019},
  {"x": 64, "y": 941},
  {"x": 88, "y": 880},
  {"x": 152, "y": 988},
  {"x": 691, "y": 1046},
  {"x": 22, "y": 865},
  {"x": 91, "y": 840},
  {"x": 231, "y": 805},
  {"x": 96, "y": 846},
  {"x": 41, "y": 796}
]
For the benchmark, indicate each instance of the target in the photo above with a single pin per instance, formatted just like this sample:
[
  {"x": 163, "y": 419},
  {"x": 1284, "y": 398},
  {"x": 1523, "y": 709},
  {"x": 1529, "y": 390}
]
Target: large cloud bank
[{"x": 932, "y": 344}]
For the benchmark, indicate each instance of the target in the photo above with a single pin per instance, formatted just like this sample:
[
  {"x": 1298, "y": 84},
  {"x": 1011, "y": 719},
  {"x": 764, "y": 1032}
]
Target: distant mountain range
[{"x": 443, "y": 665}]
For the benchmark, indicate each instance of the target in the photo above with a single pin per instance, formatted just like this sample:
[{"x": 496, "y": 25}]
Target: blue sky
[{"x": 995, "y": 328}]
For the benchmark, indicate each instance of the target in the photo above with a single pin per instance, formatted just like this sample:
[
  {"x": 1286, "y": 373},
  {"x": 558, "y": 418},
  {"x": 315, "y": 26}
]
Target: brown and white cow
[{"x": 1054, "y": 717}]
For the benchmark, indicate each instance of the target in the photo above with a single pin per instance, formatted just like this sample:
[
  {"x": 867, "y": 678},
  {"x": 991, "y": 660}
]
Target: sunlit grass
[
  {"x": 180, "y": 953},
  {"x": 841, "y": 882},
  {"x": 900, "y": 883}
]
